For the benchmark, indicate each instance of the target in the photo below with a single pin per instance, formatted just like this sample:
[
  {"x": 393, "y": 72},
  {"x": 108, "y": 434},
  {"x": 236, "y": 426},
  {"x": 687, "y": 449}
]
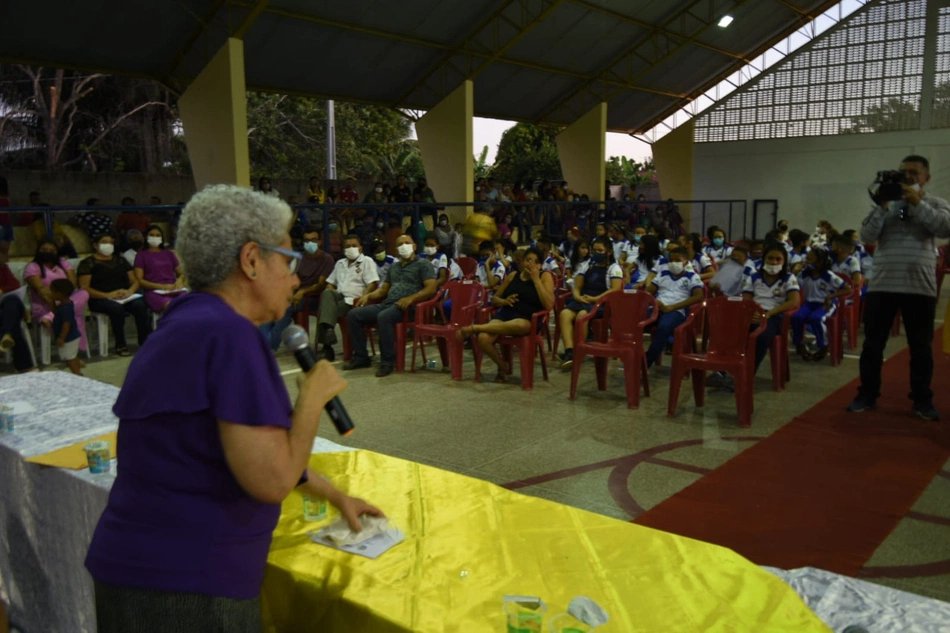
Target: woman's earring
[{"x": 253, "y": 273}]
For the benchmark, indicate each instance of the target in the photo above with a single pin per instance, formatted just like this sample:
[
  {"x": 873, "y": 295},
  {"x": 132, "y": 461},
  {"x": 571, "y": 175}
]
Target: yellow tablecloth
[
  {"x": 469, "y": 542},
  {"x": 73, "y": 457}
]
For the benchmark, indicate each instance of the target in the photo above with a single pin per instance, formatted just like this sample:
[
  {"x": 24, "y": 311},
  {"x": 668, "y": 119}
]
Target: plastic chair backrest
[
  {"x": 730, "y": 321},
  {"x": 855, "y": 289},
  {"x": 464, "y": 295},
  {"x": 468, "y": 265},
  {"x": 627, "y": 309}
]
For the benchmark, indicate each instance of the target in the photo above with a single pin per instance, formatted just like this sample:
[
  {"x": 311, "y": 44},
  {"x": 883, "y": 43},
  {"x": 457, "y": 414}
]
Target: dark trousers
[
  {"x": 880, "y": 308},
  {"x": 665, "y": 324},
  {"x": 386, "y": 317},
  {"x": 116, "y": 313},
  {"x": 11, "y": 316},
  {"x": 773, "y": 329}
]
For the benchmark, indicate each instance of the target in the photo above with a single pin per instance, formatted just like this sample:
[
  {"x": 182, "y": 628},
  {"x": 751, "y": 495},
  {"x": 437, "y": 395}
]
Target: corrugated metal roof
[{"x": 533, "y": 60}]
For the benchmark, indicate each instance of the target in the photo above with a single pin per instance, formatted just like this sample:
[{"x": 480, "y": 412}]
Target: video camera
[{"x": 890, "y": 186}]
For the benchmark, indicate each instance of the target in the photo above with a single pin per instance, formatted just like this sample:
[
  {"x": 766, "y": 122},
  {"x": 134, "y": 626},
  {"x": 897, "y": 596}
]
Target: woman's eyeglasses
[{"x": 294, "y": 256}]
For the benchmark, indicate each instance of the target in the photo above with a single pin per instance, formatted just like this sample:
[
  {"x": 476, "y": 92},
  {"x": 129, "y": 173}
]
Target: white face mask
[
  {"x": 351, "y": 252},
  {"x": 107, "y": 249},
  {"x": 676, "y": 267},
  {"x": 405, "y": 250},
  {"x": 430, "y": 250},
  {"x": 379, "y": 189},
  {"x": 915, "y": 187},
  {"x": 154, "y": 241},
  {"x": 772, "y": 269}
]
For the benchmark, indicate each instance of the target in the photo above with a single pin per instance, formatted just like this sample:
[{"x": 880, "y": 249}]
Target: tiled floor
[{"x": 502, "y": 434}]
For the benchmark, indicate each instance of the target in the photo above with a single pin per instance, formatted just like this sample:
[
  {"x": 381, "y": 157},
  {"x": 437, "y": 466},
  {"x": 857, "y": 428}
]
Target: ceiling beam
[
  {"x": 807, "y": 15},
  {"x": 249, "y": 19},
  {"x": 191, "y": 40},
  {"x": 498, "y": 54}
]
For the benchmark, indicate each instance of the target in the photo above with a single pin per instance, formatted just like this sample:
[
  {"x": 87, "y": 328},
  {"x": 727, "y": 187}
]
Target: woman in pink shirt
[{"x": 46, "y": 267}]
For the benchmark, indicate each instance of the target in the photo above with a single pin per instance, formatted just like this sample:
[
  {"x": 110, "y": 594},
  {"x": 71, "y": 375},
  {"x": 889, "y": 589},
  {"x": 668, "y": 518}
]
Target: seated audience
[
  {"x": 775, "y": 290},
  {"x": 578, "y": 262},
  {"x": 597, "y": 279},
  {"x": 312, "y": 270},
  {"x": 733, "y": 272},
  {"x": 46, "y": 267},
  {"x": 801, "y": 244},
  {"x": 701, "y": 264},
  {"x": 446, "y": 236},
  {"x": 264, "y": 186},
  {"x": 641, "y": 259},
  {"x": 92, "y": 223},
  {"x": 820, "y": 237},
  {"x": 820, "y": 289},
  {"x": 432, "y": 253},
  {"x": 383, "y": 259},
  {"x": 135, "y": 241},
  {"x": 131, "y": 220},
  {"x": 157, "y": 268},
  {"x": 109, "y": 280},
  {"x": 12, "y": 313},
  {"x": 490, "y": 270},
  {"x": 845, "y": 261},
  {"x": 352, "y": 277},
  {"x": 65, "y": 328},
  {"x": 717, "y": 250},
  {"x": 409, "y": 281},
  {"x": 675, "y": 289},
  {"x": 519, "y": 297}
]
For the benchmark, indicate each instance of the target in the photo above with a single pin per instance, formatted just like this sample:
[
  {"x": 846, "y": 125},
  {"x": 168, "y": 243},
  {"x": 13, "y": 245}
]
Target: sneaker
[
  {"x": 328, "y": 353},
  {"x": 820, "y": 355},
  {"x": 384, "y": 370},
  {"x": 7, "y": 343},
  {"x": 926, "y": 412},
  {"x": 803, "y": 352},
  {"x": 861, "y": 404},
  {"x": 357, "y": 364},
  {"x": 567, "y": 359}
]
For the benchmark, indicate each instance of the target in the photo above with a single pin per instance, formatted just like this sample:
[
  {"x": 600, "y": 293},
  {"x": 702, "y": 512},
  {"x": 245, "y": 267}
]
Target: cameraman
[{"x": 904, "y": 278}]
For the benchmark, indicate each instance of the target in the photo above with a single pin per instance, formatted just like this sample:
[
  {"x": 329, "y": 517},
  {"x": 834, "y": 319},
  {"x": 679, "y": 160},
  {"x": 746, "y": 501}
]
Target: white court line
[
  {"x": 854, "y": 356},
  {"x": 290, "y": 371}
]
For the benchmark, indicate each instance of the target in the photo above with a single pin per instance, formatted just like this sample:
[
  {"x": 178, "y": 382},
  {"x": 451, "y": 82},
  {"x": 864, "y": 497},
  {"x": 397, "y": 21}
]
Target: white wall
[{"x": 814, "y": 178}]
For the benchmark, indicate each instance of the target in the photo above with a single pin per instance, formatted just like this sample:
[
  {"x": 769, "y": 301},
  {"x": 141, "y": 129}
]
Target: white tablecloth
[{"x": 49, "y": 514}]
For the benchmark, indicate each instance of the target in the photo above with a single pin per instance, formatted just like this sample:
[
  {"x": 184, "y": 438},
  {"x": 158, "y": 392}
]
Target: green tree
[
  {"x": 891, "y": 116},
  {"x": 625, "y": 171},
  {"x": 402, "y": 158},
  {"x": 527, "y": 152},
  {"x": 482, "y": 168}
]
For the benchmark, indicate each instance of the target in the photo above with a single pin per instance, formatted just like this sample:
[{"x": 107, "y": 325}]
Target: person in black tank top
[
  {"x": 518, "y": 297},
  {"x": 590, "y": 285}
]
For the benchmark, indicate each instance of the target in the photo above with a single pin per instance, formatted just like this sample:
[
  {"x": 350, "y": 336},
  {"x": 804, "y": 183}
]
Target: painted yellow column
[
  {"x": 673, "y": 157},
  {"x": 582, "y": 147},
  {"x": 214, "y": 115},
  {"x": 445, "y": 141}
]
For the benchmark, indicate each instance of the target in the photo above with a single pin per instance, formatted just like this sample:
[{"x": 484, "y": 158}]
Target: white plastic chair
[{"x": 102, "y": 329}]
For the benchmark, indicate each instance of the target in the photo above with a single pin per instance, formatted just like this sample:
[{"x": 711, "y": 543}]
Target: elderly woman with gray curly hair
[{"x": 209, "y": 441}]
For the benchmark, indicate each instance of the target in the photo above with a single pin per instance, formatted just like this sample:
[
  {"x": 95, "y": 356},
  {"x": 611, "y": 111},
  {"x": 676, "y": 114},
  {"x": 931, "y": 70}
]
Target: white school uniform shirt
[
  {"x": 717, "y": 254},
  {"x": 865, "y": 259},
  {"x": 849, "y": 266},
  {"x": 550, "y": 265},
  {"x": 817, "y": 290},
  {"x": 770, "y": 296},
  {"x": 352, "y": 278},
  {"x": 795, "y": 258},
  {"x": 455, "y": 271},
  {"x": 632, "y": 250},
  {"x": 619, "y": 247},
  {"x": 439, "y": 262},
  {"x": 498, "y": 270},
  {"x": 382, "y": 267},
  {"x": 670, "y": 289}
]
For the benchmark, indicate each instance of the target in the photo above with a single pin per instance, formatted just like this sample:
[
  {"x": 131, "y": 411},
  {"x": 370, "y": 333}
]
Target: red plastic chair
[
  {"x": 778, "y": 351},
  {"x": 345, "y": 335},
  {"x": 400, "y": 339},
  {"x": 851, "y": 313},
  {"x": 627, "y": 314},
  {"x": 302, "y": 318},
  {"x": 835, "y": 328},
  {"x": 731, "y": 349},
  {"x": 943, "y": 266},
  {"x": 468, "y": 265},
  {"x": 528, "y": 345},
  {"x": 466, "y": 296}
]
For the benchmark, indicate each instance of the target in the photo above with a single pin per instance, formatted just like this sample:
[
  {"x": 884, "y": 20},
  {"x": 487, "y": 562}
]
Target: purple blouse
[
  {"x": 177, "y": 519},
  {"x": 157, "y": 267}
]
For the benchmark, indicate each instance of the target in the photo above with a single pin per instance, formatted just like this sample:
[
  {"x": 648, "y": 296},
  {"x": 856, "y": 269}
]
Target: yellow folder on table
[{"x": 72, "y": 457}]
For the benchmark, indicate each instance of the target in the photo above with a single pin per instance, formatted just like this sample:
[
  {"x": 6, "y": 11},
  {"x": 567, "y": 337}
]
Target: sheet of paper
[
  {"x": 371, "y": 548},
  {"x": 127, "y": 299},
  {"x": 20, "y": 407},
  {"x": 170, "y": 292}
]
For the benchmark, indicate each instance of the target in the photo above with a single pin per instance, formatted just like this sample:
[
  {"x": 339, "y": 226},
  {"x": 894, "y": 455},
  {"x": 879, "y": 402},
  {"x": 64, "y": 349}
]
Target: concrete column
[
  {"x": 582, "y": 147},
  {"x": 445, "y": 141},
  {"x": 673, "y": 157},
  {"x": 214, "y": 115}
]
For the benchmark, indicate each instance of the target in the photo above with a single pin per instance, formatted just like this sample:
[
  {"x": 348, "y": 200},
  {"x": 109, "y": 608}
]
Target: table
[{"x": 49, "y": 514}]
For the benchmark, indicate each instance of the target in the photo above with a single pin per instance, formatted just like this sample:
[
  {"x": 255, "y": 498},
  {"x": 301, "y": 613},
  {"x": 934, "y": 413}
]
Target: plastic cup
[
  {"x": 98, "y": 456},
  {"x": 7, "y": 419},
  {"x": 314, "y": 508},
  {"x": 4, "y": 412},
  {"x": 524, "y": 617}
]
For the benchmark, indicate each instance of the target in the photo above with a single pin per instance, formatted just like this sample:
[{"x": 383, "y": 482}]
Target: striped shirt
[{"x": 905, "y": 260}]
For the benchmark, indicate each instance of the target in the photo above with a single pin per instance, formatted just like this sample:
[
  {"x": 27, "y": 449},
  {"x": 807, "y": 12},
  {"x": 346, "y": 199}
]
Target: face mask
[
  {"x": 915, "y": 187},
  {"x": 135, "y": 245},
  {"x": 676, "y": 267},
  {"x": 107, "y": 249},
  {"x": 380, "y": 225},
  {"x": 444, "y": 223},
  {"x": 379, "y": 189},
  {"x": 47, "y": 258},
  {"x": 718, "y": 242},
  {"x": 380, "y": 256},
  {"x": 564, "y": 187},
  {"x": 772, "y": 269},
  {"x": 598, "y": 258},
  {"x": 637, "y": 238},
  {"x": 477, "y": 189},
  {"x": 351, "y": 252},
  {"x": 405, "y": 250},
  {"x": 430, "y": 250},
  {"x": 154, "y": 241},
  {"x": 332, "y": 227},
  {"x": 311, "y": 247}
]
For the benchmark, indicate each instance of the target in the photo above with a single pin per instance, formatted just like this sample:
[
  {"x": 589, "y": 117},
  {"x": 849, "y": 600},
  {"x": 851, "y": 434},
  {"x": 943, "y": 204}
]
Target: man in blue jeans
[
  {"x": 675, "y": 289},
  {"x": 409, "y": 281}
]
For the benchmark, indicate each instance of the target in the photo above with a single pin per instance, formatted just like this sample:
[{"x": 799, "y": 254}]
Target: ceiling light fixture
[{"x": 725, "y": 21}]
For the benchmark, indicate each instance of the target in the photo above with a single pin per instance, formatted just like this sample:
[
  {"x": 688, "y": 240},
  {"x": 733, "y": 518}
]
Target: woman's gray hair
[{"x": 217, "y": 222}]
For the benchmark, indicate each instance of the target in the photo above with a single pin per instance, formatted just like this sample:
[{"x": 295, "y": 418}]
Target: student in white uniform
[
  {"x": 432, "y": 253},
  {"x": 775, "y": 290},
  {"x": 382, "y": 258},
  {"x": 549, "y": 262},
  {"x": 490, "y": 271},
  {"x": 619, "y": 242},
  {"x": 578, "y": 262},
  {"x": 353, "y": 276},
  {"x": 717, "y": 250},
  {"x": 801, "y": 244},
  {"x": 820, "y": 290},
  {"x": 675, "y": 290},
  {"x": 702, "y": 264},
  {"x": 844, "y": 259}
]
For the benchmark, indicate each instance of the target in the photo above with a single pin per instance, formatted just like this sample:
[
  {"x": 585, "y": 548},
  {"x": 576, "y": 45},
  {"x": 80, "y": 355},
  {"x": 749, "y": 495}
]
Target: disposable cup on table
[
  {"x": 314, "y": 508},
  {"x": 99, "y": 457}
]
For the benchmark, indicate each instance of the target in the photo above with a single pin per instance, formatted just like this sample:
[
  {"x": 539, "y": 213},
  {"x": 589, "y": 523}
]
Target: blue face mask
[
  {"x": 311, "y": 247},
  {"x": 636, "y": 238},
  {"x": 598, "y": 258},
  {"x": 332, "y": 227},
  {"x": 718, "y": 242}
]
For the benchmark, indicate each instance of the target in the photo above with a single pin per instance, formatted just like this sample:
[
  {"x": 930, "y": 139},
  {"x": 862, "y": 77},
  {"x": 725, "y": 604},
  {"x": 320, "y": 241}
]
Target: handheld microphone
[{"x": 295, "y": 339}]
